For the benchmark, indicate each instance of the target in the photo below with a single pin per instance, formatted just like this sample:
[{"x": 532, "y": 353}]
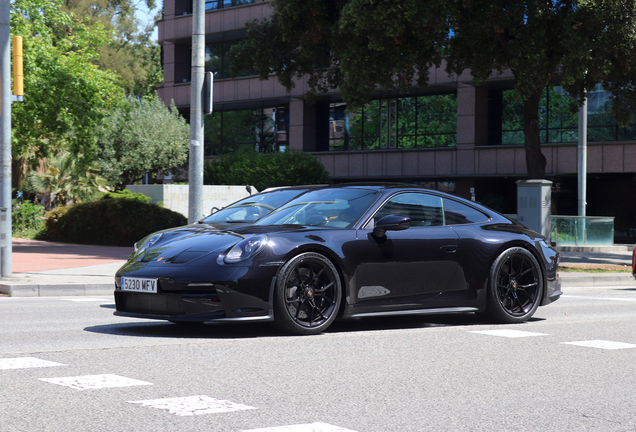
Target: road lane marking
[
  {"x": 88, "y": 382},
  {"x": 313, "y": 427},
  {"x": 600, "y": 298},
  {"x": 509, "y": 333},
  {"x": 26, "y": 362},
  {"x": 89, "y": 299},
  {"x": 193, "y": 405},
  {"x": 602, "y": 344}
]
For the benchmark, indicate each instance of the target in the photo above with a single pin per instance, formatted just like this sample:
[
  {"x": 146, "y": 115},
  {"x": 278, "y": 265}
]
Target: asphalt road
[{"x": 68, "y": 364}]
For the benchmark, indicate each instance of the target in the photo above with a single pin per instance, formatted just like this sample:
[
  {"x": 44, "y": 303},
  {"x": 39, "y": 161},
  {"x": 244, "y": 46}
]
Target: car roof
[{"x": 297, "y": 187}]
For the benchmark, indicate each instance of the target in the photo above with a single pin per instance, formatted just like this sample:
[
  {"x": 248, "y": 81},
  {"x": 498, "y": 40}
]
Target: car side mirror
[{"x": 391, "y": 223}]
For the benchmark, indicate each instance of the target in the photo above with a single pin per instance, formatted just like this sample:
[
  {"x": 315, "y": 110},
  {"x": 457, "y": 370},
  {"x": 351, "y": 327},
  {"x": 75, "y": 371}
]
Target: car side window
[
  {"x": 423, "y": 209},
  {"x": 456, "y": 213}
]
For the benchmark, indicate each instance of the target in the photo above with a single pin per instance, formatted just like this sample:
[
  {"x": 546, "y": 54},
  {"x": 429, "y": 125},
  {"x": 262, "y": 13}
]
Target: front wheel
[
  {"x": 515, "y": 286},
  {"x": 308, "y": 294}
]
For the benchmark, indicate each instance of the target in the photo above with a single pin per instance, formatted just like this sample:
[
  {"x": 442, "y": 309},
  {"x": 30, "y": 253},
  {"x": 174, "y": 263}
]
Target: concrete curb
[
  {"x": 96, "y": 280},
  {"x": 594, "y": 249},
  {"x": 31, "y": 290},
  {"x": 596, "y": 279}
]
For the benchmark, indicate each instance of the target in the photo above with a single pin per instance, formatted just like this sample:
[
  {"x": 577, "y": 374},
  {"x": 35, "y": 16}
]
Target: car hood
[{"x": 190, "y": 242}]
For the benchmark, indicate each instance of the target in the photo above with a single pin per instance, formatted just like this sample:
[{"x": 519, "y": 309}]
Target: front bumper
[
  {"x": 553, "y": 291},
  {"x": 237, "y": 294}
]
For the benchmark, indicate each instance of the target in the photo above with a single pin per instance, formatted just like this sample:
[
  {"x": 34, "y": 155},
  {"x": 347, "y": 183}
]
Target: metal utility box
[{"x": 534, "y": 201}]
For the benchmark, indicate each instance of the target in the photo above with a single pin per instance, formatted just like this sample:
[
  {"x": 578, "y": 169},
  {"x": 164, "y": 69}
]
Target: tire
[
  {"x": 515, "y": 287},
  {"x": 308, "y": 294}
]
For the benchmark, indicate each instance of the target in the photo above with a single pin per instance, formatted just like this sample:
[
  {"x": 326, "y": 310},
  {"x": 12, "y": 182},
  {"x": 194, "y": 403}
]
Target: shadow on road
[{"x": 165, "y": 329}]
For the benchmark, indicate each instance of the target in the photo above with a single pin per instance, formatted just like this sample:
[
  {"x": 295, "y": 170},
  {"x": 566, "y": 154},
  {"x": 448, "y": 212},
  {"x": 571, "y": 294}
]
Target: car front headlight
[
  {"x": 142, "y": 245},
  {"x": 246, "y": 248}
]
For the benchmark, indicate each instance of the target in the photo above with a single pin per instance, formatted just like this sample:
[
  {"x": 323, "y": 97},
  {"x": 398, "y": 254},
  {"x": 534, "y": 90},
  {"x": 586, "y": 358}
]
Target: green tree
[
  {"x": 353, "y": 45},
  {"x": 66, "y": 95},
  {"x": 576, "y": 43},
  {"x": 130, "y": 51},
  {"x": 142, "y": 136},
  {"x": 360, "y": 45}
]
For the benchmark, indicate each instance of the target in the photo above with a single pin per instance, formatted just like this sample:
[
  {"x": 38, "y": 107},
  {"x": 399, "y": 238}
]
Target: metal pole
[
  {"x": 5, "y": 137},
  {"x": 195, "y": 173},
  {"x": 582, "y": 158}
]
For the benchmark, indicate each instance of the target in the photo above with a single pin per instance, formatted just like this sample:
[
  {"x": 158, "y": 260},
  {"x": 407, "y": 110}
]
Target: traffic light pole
[
  {"x": 195, "y": 171},
  {"x": 5, "y": 138}
]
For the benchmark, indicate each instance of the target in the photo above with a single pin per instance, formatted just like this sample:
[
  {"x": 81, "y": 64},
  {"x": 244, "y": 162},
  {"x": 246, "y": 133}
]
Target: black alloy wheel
[
  {"x": 516, "y": 286},
  {"x": 308, "y": 294}
]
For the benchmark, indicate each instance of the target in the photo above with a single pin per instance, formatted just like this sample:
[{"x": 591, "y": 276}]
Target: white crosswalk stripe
[
  {"x": 87, "y": 382},
  {"x": 89, "y": 299},
  {"x": 509, "y": 333},
  {"x": 26, "y": 362},
  {"x": 313, "y": 427},
  {"x": 602, "y": 344},
  {"x": 193, "y": 405}
]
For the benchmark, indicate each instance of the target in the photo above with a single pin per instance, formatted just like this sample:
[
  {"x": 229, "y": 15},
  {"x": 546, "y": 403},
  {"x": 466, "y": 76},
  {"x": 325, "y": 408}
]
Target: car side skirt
[{"x": 433, "y": 311}]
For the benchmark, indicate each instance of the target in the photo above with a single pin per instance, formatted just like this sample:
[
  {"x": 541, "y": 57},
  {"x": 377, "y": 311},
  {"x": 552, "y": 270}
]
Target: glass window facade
[
  {"x": 261, "y": 130},
  {"x": 218, "y": 62},
  {"x": 556, "y": 122},
  {"x": 404, "y": 123},
  {"x": 223, "y": 4},
  {"x": 183, "y": 7}
]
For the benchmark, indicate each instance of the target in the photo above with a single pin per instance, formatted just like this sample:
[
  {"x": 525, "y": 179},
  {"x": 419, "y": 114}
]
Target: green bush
[
  {"x": 126, "y": 194},
  {"x": 26, "y": 218},
  {"x": 110, "y": 222},
  {"x": 266, "y": 170}
]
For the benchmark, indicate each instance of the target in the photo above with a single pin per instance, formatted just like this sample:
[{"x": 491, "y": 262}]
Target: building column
[
  {"x": 302, "y": 125},
  {"x": 472, "y": 125},
  {"x": 472, "y": 130}
]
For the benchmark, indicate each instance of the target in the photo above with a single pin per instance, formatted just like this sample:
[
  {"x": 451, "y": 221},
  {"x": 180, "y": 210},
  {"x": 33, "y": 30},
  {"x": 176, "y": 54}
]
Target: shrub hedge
[
  {"x": 109, "y": 222},
  {"x": 265, "y": 170}
]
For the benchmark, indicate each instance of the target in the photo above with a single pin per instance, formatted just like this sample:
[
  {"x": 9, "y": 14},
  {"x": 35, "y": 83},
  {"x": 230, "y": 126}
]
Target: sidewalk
[
  {"x": 612, "y": 261},
  {"x": 53, "y": 269},
  {"x": 42, "y": 269}
]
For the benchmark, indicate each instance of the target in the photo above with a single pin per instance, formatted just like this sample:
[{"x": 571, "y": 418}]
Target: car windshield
[
  {"x": 331, "y": 208},
  {"x": 253, "y": 207}
]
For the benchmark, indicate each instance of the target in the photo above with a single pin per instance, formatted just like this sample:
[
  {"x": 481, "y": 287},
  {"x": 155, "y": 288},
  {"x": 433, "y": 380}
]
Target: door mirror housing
[{"x": 390, "y": 223}]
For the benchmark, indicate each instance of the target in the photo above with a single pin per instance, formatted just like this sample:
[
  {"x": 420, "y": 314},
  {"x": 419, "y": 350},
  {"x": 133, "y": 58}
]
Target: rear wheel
[
  {"x": 308, "y": 294},
  {"x": 515, "y": 287}
]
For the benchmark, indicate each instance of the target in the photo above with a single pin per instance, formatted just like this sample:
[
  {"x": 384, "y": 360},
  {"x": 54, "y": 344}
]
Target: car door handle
[{"x": 449, "y": 248}]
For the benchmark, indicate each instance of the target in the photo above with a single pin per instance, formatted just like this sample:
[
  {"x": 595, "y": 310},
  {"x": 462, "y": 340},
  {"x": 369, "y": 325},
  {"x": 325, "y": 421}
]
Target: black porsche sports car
[{"x": 347, "y": 251}]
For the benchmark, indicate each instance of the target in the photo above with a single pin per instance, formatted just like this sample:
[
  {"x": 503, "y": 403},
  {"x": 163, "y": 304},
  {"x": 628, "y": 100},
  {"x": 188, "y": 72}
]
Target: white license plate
[{"x": 139, "y": 284}]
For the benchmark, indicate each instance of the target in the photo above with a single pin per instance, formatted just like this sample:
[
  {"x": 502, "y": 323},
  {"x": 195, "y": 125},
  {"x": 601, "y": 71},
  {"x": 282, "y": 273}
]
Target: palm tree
[{"x": 66, "y": 179}]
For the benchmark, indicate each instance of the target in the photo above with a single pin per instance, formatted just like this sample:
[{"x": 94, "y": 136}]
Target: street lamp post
[{"x": 582, "y": 159}]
